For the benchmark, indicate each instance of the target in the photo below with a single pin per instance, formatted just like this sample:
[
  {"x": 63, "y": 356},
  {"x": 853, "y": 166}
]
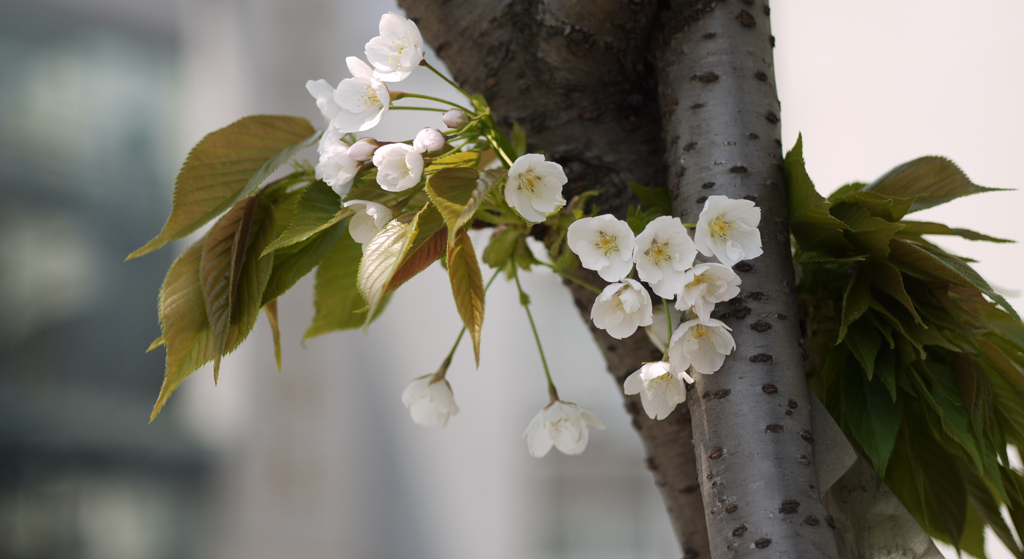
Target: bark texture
[{"x": 752, "y": 422}]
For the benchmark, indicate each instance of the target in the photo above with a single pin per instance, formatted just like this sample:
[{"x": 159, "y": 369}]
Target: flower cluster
[{"x": 666, "y": 259}]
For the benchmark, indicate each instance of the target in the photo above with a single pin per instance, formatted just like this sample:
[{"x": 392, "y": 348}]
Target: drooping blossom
[
  {"x": 397, "y": 50},
  {"x": 430, "y": 401},
  {"x": 604, "y": 244},
  {"x": 621, "y": 308},
  {"x": 705, "y": 285},
  {"x": 336, "y": 168},
  {"x": 428, "y": 140},
  {"x": 562, "y": 425},
  {"x": 362, "y": 99},
  {"x": 702, "y": 345},
  {"x": 663, "y": 253},
  {"x": 534, "y": 187},
  {"x": 323, "y": 92},
  {"x": 727, "y": 230},
  {"x": 399, "y": 167},
  {"x": 659, "y": 388},
  {"x": 368, "y": 219}
]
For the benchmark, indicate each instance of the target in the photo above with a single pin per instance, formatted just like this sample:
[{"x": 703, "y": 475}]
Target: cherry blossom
[
  {"x": 705, "y": 285},
  {"x": 562, "y": 425},
  {"x": 663, "y": 253},
  {"x": 659, "y": 388},
  {"x": 430, "y": 401},
  {"x": 428, "y": 139},
  {"x": 399, "y": 167},
  {"x": 336, "y": 168},
  {"x": 534, "y": 187},
  {"x": 362, "y": 99},
  {"x": 397, "y": 50},
  {"x": 604, "y": 244},
  {"x": 702, "y": 345},
  {"x": 727, "y": 230},
  {"x": 622, "y": 308},
  {"x": 368, "y": 219}
]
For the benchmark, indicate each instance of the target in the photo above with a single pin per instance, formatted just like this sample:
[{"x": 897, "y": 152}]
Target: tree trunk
[
  {"x": 752, "y": 421},
  {"x": 582, "y": 78}
]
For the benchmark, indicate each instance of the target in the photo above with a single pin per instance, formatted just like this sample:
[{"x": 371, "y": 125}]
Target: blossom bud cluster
[{"x": 666, "y": 259}]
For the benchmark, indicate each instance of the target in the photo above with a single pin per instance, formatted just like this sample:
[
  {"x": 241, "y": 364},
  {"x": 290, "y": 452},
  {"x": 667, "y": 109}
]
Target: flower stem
[
  {"x": 445, "y": 78},
  {"x": 582, "y": 283},
  {"x": 436, "y": 100},
  {"x": 523, "y": 298},
  {"x": 448, "y": 360},
  {"x": 668, "y": 318},
  {"x": 431, "y": 109}
]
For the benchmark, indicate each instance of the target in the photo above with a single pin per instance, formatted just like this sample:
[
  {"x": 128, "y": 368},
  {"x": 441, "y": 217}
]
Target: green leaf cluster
[{"x": 919, "y": 360}]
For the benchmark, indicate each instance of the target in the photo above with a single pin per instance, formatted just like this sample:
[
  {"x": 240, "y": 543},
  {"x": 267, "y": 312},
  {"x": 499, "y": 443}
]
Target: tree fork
[{"x": 752, "y": 419}]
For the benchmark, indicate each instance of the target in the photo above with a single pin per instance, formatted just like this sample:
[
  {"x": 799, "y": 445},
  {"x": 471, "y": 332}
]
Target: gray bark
[{"x": 752, "y": 423}]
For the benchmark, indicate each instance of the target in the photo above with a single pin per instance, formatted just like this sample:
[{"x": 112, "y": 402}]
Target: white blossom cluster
[{"x": 666, "y": 259}]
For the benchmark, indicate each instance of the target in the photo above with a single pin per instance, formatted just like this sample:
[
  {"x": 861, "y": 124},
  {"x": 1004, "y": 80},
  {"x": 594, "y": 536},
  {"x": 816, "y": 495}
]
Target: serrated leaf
[
  {"x": 156, "y": 343},
  {"x": 458, "y": 192},
  {"x": 986, "y": 506},
  {"x": 929, "y": 180},
  {"x": 467, "y": 287},
  {"x": 956, "y": 423},
  {"x": 650, "y": 198},
  {"x": 224, "y": 166},
  {"x": 336, "y": 298},
  {"x": 318, "y": 209},
  {"x": 427, "y": 246},
  {"x": 918, "y": 228},
  {"x": 299, "y": 259},
  {"x": 811, "y": 223},
  {"x": 220, "y": 266},
  {"x": 870, "y": 416},
  {"x": 271, "y": 311},
  {"x": 856, "y": 300},
  {"x": 183, "y": 320},
  {"x": 846, "y": 190},
  {"x": 864, "y": 341},
  {"x": 866, "y": 232},
  {"x": 456, "y": 160},
  {"x": 382, "y": 257},
  {"x": 887, "y": 277},
  {"x": 501, "y": 247},
  {"x": 879, "y": 205}
]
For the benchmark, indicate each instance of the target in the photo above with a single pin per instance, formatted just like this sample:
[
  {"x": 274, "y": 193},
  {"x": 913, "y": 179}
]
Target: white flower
[
  {"x": 363, "y": 149},
  {"x": 323, "y": 92},
  {"x": 430, "y": 401},
  {"x": 660, "y": 389},
  {"x": 534, "y": 187},
  {"x": 705, "y": 285},
  {"x": 428, "y": 139},
  {"x": 700, "y": 344},
  {"x": 621, "y": 308},
  {"x": 561, "y": 424},
  {"x": 455, "y": 118},
  {"x": 363, "y": 99},
  {"x": 604, "y": 244},
  {"x": 368, "y": 219},
  {"x": 336, "y": 168},
  {"x": 397, "y": 50},
  {"x": 399, "y": 167},
  {"x": 727, "y": 229},
  {"x": 663, "y": 253}
]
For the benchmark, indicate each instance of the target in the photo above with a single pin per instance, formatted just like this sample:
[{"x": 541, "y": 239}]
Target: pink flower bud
[
  {"x": 363, "y": 149},
  {"x": 428, "y": 139},
  {"x": 455, "y": 118}
]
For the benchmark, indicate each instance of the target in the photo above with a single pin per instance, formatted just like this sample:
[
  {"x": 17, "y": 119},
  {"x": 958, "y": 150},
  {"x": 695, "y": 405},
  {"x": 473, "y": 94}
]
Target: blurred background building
[{"x": 100, "y": 101}]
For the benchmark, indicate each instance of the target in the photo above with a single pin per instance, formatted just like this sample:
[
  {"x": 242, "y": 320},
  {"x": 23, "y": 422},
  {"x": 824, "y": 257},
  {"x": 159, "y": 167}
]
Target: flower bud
[
  {"x": 455, "y": 118},
  {"x": 363, "y": 149},
  {"x": 429, "y": 139}
]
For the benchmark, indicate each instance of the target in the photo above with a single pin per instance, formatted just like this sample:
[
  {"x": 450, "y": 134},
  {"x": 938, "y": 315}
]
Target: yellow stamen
[
  {"x": 658, "y": 253},
  {"x": 720, "y": 228},
  {"x": 606, "y": 243}
]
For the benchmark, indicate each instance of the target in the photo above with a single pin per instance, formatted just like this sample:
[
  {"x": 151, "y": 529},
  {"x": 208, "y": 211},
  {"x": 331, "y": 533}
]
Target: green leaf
[
  {"x": 864, "y": 342},
  {"x": 856, "y": 300},
  {"x": 271, "y": 311},
  {"x": 812, "y": 225},
  {"x": 383, "y": 255},
  {"x": 427, "y": 246},
  {"x": 846, "y": 190},
  {"x": 220, "y": 267},
  {"x": 318, "y": 209},
  {"x": 457, "y": 160},
  {"x": 866, "y": 232},
  {"x": 467, "y": 287},
  {"x": 336, "y": 298},
  {"x": 502, "y": 247},
  {"x": 458, "y": 192},
  {"x": 224, "y": 166},
  {"x": 293, "y": 263},
  {"x": 929, "y": 181},
  {"x": 941, "y": 393},
  {"x": 656, "y": 199},
  {"x": 878, "y": 205},
  {"x": 987, "y": 507},
  {"x": 887, "y": 277},
  {"x": 518, "y": 139},
  {"x": 870, "y": 416},
  {"x": 918, "y": 228},
  {"x": 183, "y": 320},
  {"x": 638, "y": 220}
]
